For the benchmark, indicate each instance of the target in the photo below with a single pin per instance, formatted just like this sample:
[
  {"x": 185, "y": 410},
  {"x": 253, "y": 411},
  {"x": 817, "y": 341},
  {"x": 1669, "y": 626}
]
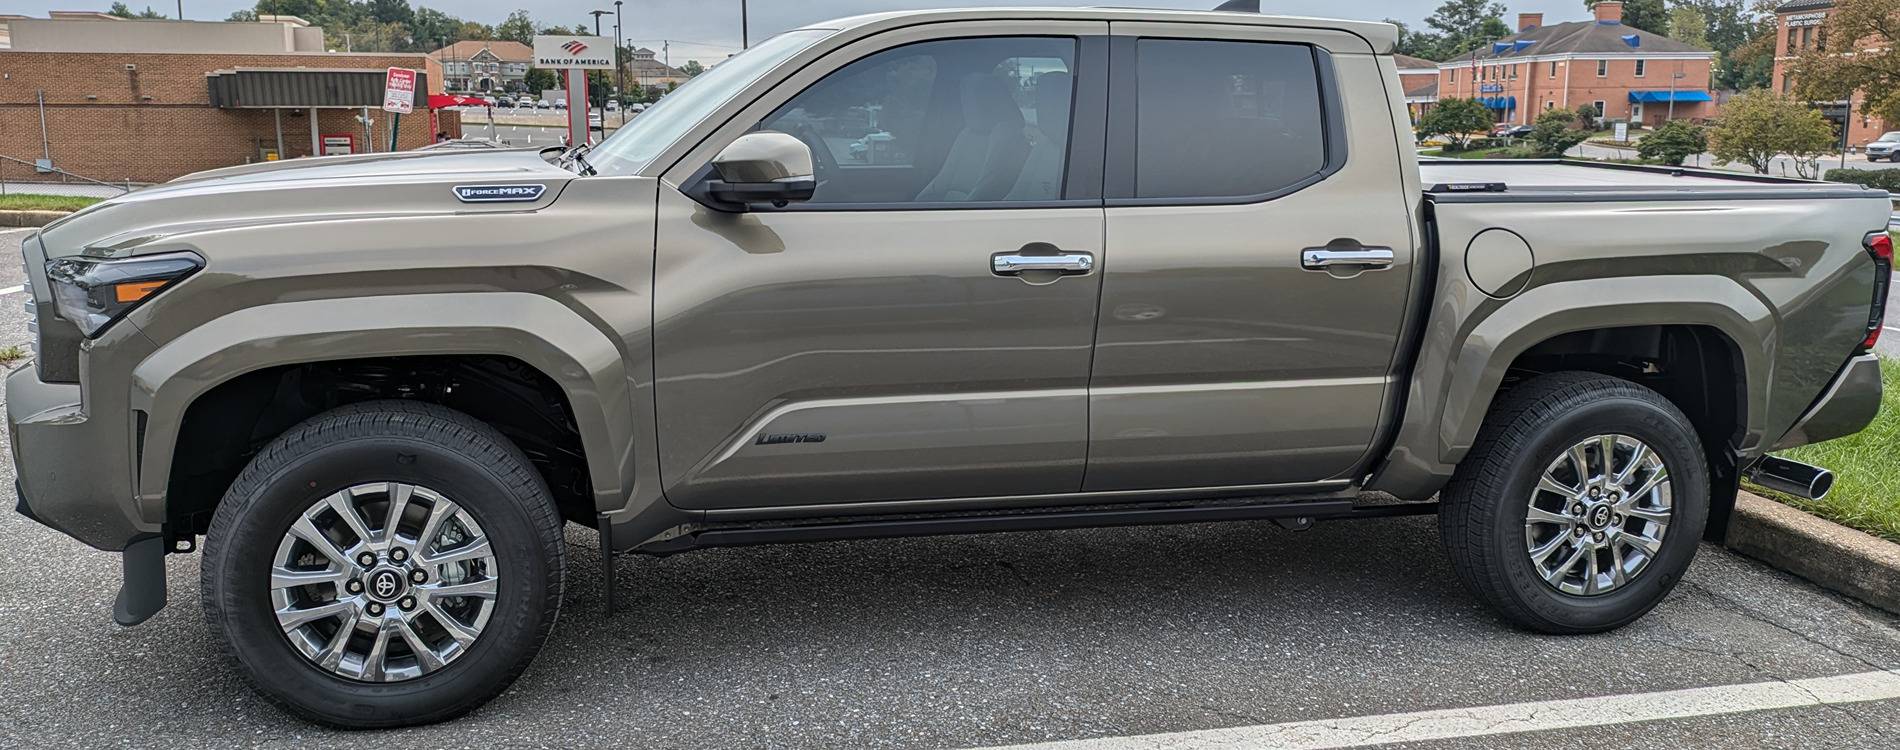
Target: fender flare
[
  {"x": 582, "y": 360},
  {"x": 1467, "y": 352}
]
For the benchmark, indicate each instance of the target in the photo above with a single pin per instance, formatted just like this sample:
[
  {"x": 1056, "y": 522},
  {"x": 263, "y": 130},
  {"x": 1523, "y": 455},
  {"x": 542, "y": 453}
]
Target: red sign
[{"x": 399, "y": 91}]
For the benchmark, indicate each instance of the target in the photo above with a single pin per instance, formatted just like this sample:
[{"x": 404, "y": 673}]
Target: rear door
[
  {"x": 1260, "y": 252},
  {"x": 922, "y": 328}
]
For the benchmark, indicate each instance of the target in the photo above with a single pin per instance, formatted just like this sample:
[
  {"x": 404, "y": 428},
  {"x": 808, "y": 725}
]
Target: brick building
[
  {"x": 1628, "y": 74},
  {"x": 1419, "y": 78},
  {"x": 482, "y": 66},
  {"x": 155, "y": 115},
  {"x": 1802, "y": 25}
]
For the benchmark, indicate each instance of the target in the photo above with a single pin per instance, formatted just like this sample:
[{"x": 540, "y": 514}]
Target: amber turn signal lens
[{"x": 136, "y": 291}]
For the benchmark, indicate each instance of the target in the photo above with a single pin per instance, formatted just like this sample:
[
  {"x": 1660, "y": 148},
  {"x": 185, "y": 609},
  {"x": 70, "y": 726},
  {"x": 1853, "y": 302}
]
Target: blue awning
[
  {"x": 1498, "y": 102},
  {"x": 1664, "y": 97}
]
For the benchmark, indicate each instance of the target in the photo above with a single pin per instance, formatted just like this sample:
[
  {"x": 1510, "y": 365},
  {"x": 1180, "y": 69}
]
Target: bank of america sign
[{"x": 583, "y": 52}]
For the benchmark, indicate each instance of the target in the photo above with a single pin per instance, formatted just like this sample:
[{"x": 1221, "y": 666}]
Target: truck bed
[{"x": 1464, "y": 180}]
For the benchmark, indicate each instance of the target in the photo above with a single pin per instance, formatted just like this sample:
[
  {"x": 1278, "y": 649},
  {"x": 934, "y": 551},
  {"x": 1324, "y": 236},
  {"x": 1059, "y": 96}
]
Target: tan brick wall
[
  {"x": 1537, "y": 89},
  {"x": 155, "y": 122}
]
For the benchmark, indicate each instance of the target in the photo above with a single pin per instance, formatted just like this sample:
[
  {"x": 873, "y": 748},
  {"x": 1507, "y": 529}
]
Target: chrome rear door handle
[
  {"x": 1012, "y": 264},
  {"x": 1323, "y": 258}
]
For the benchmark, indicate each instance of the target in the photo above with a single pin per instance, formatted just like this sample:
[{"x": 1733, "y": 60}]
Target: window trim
[
  {"x": 1603, "y": 68},
  {"x": 1642, "y": 67},
  {"x": 1124, "y": 117},
  {"x": 1084, "y": 162}
]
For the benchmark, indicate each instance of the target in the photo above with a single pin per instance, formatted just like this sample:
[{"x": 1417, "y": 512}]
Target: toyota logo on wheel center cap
[
  {"x": 1600, "y": 516},
  {"x": 385, "y": 585}
]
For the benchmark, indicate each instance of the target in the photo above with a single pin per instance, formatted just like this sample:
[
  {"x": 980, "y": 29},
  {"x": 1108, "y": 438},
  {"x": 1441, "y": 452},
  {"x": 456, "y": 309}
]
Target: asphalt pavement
[{"x": 973, "y": 641}]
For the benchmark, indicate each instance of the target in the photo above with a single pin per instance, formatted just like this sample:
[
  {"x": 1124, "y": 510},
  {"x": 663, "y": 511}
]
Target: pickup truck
[{"x": 1106, "y": 267}]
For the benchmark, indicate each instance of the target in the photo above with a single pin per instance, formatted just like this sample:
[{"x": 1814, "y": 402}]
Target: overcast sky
[{"x": 709, "y": 29}]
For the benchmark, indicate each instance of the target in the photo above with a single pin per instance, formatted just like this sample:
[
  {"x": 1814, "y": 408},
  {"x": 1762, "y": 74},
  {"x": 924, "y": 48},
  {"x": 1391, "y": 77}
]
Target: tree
[
  {"x": 1418, "y": 43},
  {"x": 692, "y": 68},
  {"x": 1554, "y": 132},
  {"x": 242, "y": 16},
  {"x": 1756, "y": 126},
  {"x": 1649, "y": 15},
  {"x": 1858, "y": 53},
  {"x": 519, "y": 27},
  {"x": 120, "y": 10},
  {"x": 1455, "y": 120},
  {"x": 1689, "y": 26},
  {"x": 1587, "y": 115},
  {"x": 1673, "y": 142},
  {"x": 1465, "y": 25},
  {"x": 391, "y": 11},
  {"x": 539, "y": 80}
]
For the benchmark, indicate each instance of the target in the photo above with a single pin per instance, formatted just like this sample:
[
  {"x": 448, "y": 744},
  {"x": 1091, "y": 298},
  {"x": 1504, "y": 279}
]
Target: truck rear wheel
[
  {"x": 385, "y": 564},
  {"x": 1580, "y": 505}
]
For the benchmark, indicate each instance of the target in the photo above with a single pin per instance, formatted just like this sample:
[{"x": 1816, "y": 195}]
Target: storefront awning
[
  {"x": 1498, "y": 102},
  {"x": 297, "y": 88},
  {"x": 1664, "y": 97}
]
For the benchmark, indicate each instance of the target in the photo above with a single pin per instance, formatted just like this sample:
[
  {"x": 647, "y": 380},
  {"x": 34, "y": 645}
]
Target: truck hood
[{"x": 305, "y": 190}]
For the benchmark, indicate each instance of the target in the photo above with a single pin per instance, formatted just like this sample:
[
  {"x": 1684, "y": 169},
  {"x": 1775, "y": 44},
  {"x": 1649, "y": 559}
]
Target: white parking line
[
  {"x": 11, "y": 289},
  {"x": 1513, "y": 718}
]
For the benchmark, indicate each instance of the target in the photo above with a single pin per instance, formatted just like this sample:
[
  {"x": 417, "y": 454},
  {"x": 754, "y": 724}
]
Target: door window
[
  {"x": 953, "y": 121},
  {"x": 1221, "y": 119}
]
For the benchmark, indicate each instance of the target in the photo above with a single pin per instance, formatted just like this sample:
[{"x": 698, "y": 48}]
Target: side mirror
[{"x": 763, "y": 167}]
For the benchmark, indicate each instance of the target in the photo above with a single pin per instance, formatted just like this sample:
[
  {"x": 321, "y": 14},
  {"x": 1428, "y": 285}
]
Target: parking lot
[{"x": 980, "y": 641}]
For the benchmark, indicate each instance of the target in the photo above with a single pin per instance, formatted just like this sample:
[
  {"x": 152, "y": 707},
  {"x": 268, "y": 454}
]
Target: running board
[{"x": 1096, "y": 517}]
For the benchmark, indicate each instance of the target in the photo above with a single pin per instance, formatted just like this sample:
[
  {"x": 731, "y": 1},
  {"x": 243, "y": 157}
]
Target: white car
[
  {"x": 1887, "y": 146},
  {"x": 594, "y": 120}
]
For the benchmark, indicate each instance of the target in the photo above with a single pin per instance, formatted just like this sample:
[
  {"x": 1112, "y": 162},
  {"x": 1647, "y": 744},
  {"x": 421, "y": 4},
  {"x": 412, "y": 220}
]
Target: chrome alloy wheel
[
  {"x": 1598, "y": 515},
  {"x": 388, "y": 602}
]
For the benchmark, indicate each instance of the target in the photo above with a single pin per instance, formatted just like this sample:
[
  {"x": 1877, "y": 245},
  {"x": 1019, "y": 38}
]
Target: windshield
[
  {"x": 632, "y": 147},
  {"x": 1890, "y": 137}
]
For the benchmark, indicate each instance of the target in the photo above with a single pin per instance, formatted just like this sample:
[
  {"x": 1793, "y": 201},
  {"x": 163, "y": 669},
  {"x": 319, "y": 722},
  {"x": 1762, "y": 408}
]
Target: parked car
[
  {"x": 637, "y": 107},
  {"x": 1510, "y": 131},
  {"x": 1887, "y": 146},
  {"x": 524, "y": 101},
  {"x": 613, "y": 105},
  {"x": 543, "y": 104},
  {"x": 700, "y": 334}
]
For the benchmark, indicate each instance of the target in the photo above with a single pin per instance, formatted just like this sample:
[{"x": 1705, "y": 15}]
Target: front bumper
[
  {"x": 1848, "y": 405},
  {"x": 61, "y": 458},
  {"x": 62, "y": 483}
]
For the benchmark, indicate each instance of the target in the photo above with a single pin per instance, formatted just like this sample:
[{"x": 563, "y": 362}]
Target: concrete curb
[
  {"x": 1830, "y": 555},
  {"x": 30, "y": 218}
]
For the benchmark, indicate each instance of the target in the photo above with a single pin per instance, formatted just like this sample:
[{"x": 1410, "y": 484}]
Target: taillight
[{"x": 1879, "y": 245}]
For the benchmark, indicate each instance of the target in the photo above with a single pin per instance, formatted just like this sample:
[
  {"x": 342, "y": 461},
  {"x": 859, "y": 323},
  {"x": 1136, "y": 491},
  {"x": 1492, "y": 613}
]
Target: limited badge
[{"x": 498, "y": 193}]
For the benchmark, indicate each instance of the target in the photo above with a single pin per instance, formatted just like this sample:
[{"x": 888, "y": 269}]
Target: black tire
[
  {"x": 396, "y": 441},
  {"x": 1483, "y": 513}
]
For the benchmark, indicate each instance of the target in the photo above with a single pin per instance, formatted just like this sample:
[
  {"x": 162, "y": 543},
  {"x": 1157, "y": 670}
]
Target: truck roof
[{"x": 1382, "y": 37}]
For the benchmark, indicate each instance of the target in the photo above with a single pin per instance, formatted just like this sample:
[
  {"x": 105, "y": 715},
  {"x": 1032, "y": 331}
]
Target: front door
[
  {"x": 1260, "y": 249},
  {"x": 905, "y": 334}
]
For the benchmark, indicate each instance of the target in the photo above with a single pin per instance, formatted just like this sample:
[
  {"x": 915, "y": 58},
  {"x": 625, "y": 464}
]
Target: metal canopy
[{"x": 300, "y": 87}]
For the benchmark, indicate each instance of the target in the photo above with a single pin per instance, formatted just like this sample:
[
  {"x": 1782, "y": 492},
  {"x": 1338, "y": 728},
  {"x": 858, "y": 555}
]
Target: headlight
[{"x": 95, "y": 293}]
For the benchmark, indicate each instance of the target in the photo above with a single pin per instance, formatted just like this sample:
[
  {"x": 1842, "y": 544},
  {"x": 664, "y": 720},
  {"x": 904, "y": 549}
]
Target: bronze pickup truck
[{"x": 931, "y": 272}]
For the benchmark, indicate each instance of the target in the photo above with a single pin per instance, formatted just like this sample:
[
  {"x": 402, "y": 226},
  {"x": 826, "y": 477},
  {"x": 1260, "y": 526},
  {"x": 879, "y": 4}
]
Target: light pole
[
  {"x": 597, "y": 14},
  {"x": 745, "y": 40},
  {"x": 620, "y": 68}
]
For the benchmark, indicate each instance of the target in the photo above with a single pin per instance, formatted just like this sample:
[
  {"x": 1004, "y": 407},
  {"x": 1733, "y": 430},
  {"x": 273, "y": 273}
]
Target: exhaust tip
[{"x": 1792, "y": 477}]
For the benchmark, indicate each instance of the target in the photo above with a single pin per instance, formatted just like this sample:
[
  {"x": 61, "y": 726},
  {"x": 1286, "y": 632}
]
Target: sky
[{"x": 708, "y": 30}]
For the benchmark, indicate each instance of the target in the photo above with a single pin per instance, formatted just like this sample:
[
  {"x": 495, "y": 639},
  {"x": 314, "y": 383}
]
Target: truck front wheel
[
  {"x": 1580, "y": 505},
  {"x": 384, "y": 564}
]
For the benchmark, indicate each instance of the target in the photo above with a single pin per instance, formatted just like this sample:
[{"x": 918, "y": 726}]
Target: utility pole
[
  {"x": 745, "y": 38},
  {"x": 181, "y": 10}
]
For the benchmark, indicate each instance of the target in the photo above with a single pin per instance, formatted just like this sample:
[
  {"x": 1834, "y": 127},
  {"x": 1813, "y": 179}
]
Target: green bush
[
  {"x": 1672, "y": 143},
  {"x": 1553, "y": 133},
  {"x": 1879, "y": 179}
]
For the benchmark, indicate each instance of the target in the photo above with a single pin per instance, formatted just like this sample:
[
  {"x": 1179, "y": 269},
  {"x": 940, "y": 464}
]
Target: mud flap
[{"x": 142, "y": 593}]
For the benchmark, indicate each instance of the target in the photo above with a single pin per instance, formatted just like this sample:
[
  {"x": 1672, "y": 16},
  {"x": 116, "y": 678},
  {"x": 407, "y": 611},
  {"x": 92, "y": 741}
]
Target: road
[{"x": 974, "y": 641}]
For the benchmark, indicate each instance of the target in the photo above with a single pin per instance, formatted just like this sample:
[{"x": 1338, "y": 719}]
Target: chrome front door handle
[
  {"x": 1012, "y": 264},
  {"x": 1324, "y": 258}
]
